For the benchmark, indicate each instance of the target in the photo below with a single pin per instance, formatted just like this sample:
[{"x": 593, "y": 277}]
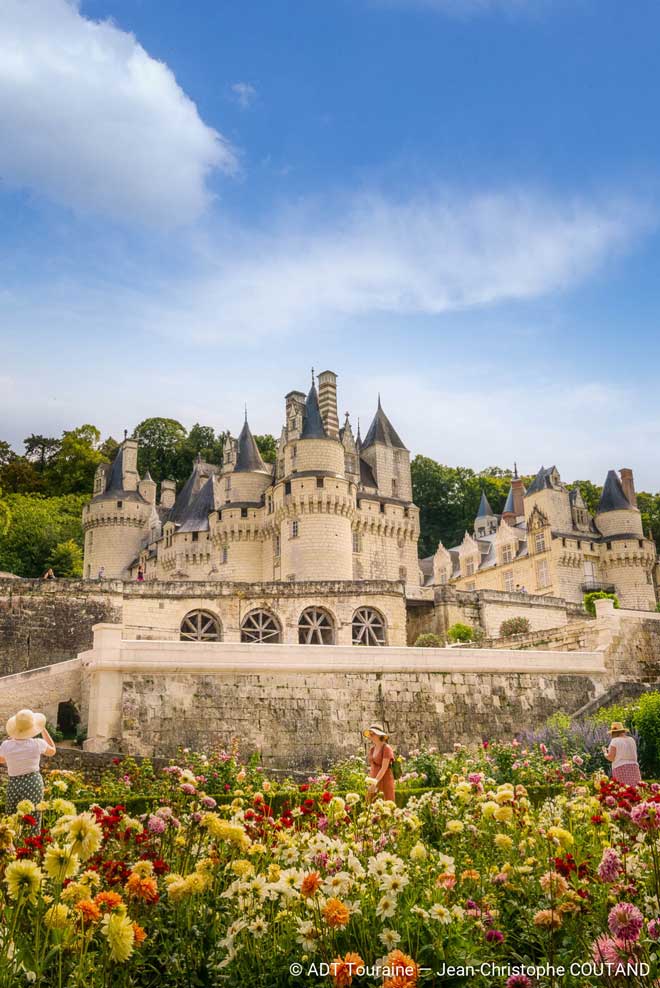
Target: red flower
[
  {"x": 31, "y": 820},
  {"x": 304, "y": 787},
  {"x": 326, "y": 797},
  {"x": 116, "y": 761}
]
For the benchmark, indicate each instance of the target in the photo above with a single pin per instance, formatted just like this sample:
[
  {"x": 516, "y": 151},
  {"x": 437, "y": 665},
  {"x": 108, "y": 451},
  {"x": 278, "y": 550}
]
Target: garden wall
[{"x": 305, "y": 706}]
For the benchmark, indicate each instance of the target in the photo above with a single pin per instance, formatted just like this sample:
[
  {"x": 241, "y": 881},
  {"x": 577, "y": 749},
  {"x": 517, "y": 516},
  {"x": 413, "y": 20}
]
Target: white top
[
  {"x": 625, "y": 751},
  {"x": 23, "y": 757}
]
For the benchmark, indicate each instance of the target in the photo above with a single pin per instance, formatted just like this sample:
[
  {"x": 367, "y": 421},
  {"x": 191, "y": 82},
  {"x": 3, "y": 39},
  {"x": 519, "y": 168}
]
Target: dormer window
[
  {"x": 507, "y": 553},
  {"x": 539, "y": 542},
  {"x": 469, "y": 567}
]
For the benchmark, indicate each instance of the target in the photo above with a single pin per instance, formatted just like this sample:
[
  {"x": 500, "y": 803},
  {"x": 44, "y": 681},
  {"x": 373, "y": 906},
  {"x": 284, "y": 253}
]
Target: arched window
[
  {"x": 316, "y": 627},
  {"x": 201, "y": 626},
  {"x": 261, "y": 627},
  {"x": 368, "y": 627}
]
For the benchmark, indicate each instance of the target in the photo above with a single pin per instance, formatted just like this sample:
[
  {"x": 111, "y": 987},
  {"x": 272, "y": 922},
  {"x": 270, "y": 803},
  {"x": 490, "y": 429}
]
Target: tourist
[
  {"x": 21, "y": 753},
  {"x": 140, "y": 575},
  {"x": 381, "y": 757},
  {"x": 48, "y": 575},
  {"x": 622, "y": 752},
  {"x": 102, "y": 573}
]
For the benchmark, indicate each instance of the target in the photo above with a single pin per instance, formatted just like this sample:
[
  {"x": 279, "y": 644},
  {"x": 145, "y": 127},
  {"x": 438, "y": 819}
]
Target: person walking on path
[
  {"x": 622, "y": 753},
  {"x": 381, "y": 757},
  {"x": 21, "y": 753}
]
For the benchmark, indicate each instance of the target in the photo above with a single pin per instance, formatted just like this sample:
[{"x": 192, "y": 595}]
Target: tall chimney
[
  {"x": 628, "y": 485},
  {"x": 328, "y": 402},
  {"x": 167, "y": 493},
  {"x": 518, "y": 489}
]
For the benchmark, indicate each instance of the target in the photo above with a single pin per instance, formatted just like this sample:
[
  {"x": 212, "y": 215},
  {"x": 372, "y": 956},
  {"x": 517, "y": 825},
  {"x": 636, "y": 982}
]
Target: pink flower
[
  {"x": 209, "y": 802},
  {"x": 654, "y": 929},
  {"x": 494, "y": 936},
  {"x": 543, "y": 749},
  {"x": 625, "y": 921},
  {"x": 566, "y": 768},
  {"x": 475, "y": 778},
  {"x": 610, "y": 867},
  {"x": 518, "y": 981},
  {"x": 156, "y": 825},
  {"x": 646, "y": 816},
  {"x": 188, "y": 789},
  {"x": 615, "y": 952},
  {"x": 577, "y": 760}
]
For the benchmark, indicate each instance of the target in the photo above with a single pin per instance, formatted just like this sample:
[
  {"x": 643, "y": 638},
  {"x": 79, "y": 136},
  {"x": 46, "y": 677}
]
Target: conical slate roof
[
  {"x": 509, "y": 508},
  {"x": 115, "y": 478},
  {"x": 195, "y": 517},
  {"x": 541, "y": 481},
  {"x": 200, "y": 471},
  {"x": 613, "y": 497},
  {"x": 313, "y": 427},
  {"x": 249, "y": 458},
  {"x": 381, "y": 430},
  {"x": 485, "y": 509}
]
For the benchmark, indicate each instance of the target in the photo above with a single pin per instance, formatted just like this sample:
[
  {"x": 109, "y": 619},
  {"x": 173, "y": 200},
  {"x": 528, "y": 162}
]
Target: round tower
[
  {"x": 116, "y": 520},
  {"x": 616, "y": 514}
]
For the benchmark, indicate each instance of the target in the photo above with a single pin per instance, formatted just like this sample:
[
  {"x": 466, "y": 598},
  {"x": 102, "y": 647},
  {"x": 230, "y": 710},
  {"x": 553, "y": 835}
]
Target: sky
[{"x": 452, "y": 203}]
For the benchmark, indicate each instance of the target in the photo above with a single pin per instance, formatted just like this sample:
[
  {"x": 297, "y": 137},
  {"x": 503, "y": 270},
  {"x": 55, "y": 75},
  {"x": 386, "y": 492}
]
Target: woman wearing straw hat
[
  {"x": 21, "y": 753},
  {"x": 622, "y": 752},
  {"x": 381, "y": 756}
]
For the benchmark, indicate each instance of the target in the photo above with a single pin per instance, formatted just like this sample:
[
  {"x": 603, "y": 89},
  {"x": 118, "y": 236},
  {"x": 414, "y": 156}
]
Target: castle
[
  {"x": 546, "y": 542},
  {"x": 321, "y": 546}
]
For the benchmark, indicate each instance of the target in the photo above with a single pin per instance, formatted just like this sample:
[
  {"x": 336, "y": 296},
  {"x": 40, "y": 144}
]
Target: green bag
[{"x": 397, "y": 765}]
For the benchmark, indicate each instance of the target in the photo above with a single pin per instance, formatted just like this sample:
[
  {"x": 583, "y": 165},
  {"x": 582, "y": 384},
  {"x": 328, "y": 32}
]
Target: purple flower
[
  {"x": 610, "y": 867},
  {"x": 625, "y": 921},
  {"x": 209, "y": 802},
  {"x": 518, "y": 981},
  {"x": 494, "y": 936},
  {"x": 156, "y": 824}
]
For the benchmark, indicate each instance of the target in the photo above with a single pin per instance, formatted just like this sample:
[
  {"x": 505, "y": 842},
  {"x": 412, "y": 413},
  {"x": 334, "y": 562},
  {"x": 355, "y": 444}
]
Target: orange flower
[
  {"x": 139, "y": 936},
  {"x": 108, "y": 901},
  {"x": 446, "y": 880},
  {"x": 142, "y": 888},
  {"x": 336, "y": 913},
  {"x": 470, "y": 875},
  {"x": 89, "y": 911},
  {"x": 344, "y": 968},
  {"x": 310, "y": 884},
  {"x": 404, "y": 971}
]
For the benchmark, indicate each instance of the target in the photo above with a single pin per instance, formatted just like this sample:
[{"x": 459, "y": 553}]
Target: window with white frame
[
  {"x": 539, "y": 542},
  {"x": 507, "y": 553},
  {"x": 542, "y": 574},
  {"x": 469, "y": 567},
  {"x": 508, "y": 579}
]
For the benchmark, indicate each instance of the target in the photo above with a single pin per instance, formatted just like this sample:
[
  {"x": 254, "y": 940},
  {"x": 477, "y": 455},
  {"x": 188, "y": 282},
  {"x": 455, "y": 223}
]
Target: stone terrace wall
[
  {"x": 487, "y": 609},
  {"x": 578, "y": 637},
  {"x": 43, "y": 622},
  {"x": 42, "y": 689}
]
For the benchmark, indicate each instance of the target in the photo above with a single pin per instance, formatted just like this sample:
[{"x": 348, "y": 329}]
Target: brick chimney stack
[
  {"x": 628, "y": 485},
  {"x": 518, "y": 489},
  {"x": 328, "y": 402}
]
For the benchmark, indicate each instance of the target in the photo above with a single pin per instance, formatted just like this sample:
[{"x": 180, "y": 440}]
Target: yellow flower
[
  {"x": 233, "y": 833},
  {"x": 23, "y": 878},
  {"x": 60, "y": 862},
  {"x": 257, "y": 849},
  {"x": 143, "y": 869},
  {"x": 418, "y": 852},
  {"x": 273, "y": 872},
  {"x": 25, "y": 806},
  {"x": 503, "y": 814},
  {"x": 63, "y": 807},
  {"x": 488, "y": 808},
  {"x": 242, "y": 868},
  {"x": 563, "y": 837},
  {"x": 120, "y": 935},
  {"x": 503, "y": 842},
  {"x": 75, "y": 892},
  {"x": 85, "y": 835},
  {"x": 56, "y": 917},
  {"x": 453, "y": 827}
]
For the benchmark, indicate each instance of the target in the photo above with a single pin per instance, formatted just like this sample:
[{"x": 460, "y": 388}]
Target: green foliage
[
  {"x": 617, "y": 711},
  {"x": 514, "y": 626},
  {"x": 66, "y": 559},
  {"x": 428, "y": 640},
  {"x": 267, "y": 446},
  {"x": 19, "y": 476},
  {"x": 646, "y": 722},
  {"x": 37, "y": 526},
  {"x": 6, "y": 453},
  {"x": 590, "y": 493},
  {"x": 590, "y": 598},
  {"x": 160, "y": 440},
  {"x": 462, "y": 633}
]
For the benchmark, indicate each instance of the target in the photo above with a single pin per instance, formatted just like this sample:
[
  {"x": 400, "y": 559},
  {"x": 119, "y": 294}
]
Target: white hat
[{"x": 25, "y": 724}]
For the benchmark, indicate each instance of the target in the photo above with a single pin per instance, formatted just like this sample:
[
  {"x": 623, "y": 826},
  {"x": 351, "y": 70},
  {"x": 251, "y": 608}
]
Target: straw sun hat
[
  {"x": 617, "y": 726},
  {"x": 376, "y": 729},
  {"x": 25, "y": 724}
]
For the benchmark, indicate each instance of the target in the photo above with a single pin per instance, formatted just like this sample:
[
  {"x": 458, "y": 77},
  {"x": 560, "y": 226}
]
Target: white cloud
[
  {"x": 90, "y": 120},
  {"x": 244, "y": 94},
  {"x": 430, "y": 255}
]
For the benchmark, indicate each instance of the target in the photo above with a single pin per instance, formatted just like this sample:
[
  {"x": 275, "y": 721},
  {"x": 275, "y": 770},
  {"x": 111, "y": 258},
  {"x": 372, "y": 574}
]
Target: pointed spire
[
  {"x": 148, "y": 476},
  {"x": 381, "y": 430},
  {"x": 248, "y": 459},
  {"x": 515, "y": 470},
  {"x": 358, "y": 438},
  {"x": 485, "y": 510},
  {"x": 313, "y": 427},
  {"x": 509, "y": 505}
]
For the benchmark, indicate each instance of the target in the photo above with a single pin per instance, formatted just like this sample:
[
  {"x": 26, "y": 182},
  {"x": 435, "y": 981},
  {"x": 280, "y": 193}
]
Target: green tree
[
  {"x": 649, "y": 505},
  {"x": 7, "y": 454},
  {"x": 203, "y": 441},
  {"x": 590, "y": 492},
  {"x": 5, "y": 515},
  {"x": 41, "y": 449},
  {"x": 108, "y": 449},
  {"x": 38, "y": 524},
  {"x": 19, "y": 476},
  {"x": 66, "y": 559},
  {"x": 267, "y": 446},
  {"x": 72, "y": 470},
  {"x": 159, "y": 451}
]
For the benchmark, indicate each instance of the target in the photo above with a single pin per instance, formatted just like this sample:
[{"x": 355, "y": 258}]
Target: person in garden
[
  {"x": 622, "y": 752},
  {"x": 381, "y": 757},
  {"x": 21, "y": 753}
]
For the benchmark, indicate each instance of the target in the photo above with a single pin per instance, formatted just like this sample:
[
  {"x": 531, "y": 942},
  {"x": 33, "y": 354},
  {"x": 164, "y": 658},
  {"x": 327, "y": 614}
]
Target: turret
[
  {"x": 486, "y": 521},
  {"x": 250, "y": 475},
  {"x": 147, "y": 488},
  {"x": 167, "y": 493},
  {"x": 388, "y": 458},
  {"x": 615, "y": 514}
]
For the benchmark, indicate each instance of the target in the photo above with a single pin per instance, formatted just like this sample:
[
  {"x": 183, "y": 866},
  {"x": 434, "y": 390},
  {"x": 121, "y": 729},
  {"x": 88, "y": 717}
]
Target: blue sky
[{"x": 452, "y": 202}]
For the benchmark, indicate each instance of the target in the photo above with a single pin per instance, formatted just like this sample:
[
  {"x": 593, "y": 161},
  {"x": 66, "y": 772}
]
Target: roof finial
[
  {"x": 125, "y": 433},
  {"x": 379, "y": 405},
  {"x": 312, "y": 377},
  {"x": 246, "y": 411},
  {"x": 515, "y": 470},
  {"x": 347, "y": 414}
]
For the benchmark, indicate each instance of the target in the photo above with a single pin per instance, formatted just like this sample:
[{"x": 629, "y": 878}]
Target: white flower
[
  {"x": 258, "y": 926},
  {"x": 389, "y": 939},
  {"x": 393, "y": 883},
  {"x": 386, "y": 906},
  {"x": 440, "y": 913}
]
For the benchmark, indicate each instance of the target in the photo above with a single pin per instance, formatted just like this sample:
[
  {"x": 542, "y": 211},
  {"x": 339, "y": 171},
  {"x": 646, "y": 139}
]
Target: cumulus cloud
[
  {"x": 244, "y": 94},
  {"x": 89, "y": 119},
  {"x": 430, "y": 255}
]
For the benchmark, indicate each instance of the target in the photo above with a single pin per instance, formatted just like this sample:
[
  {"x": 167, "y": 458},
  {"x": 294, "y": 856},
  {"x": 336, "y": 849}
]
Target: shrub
[
  {"x": 429, "y": 640},
  {"x": 66, "y": 559},
  {"x": 646, "y": 723},
  {"x": 462, "y": 633},
  {"x": 590, "y": 598},
  {"x": 514, "y": 626}
]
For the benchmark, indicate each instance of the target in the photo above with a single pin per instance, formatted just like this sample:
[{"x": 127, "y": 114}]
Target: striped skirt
[
  {"x": 628, "y": 774},
  {"x": 20, "y": 787}
]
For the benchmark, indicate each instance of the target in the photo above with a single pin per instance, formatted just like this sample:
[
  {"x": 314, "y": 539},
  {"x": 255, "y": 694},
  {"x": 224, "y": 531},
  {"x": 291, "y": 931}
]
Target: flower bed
[{"x": 209, "y": 873}]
